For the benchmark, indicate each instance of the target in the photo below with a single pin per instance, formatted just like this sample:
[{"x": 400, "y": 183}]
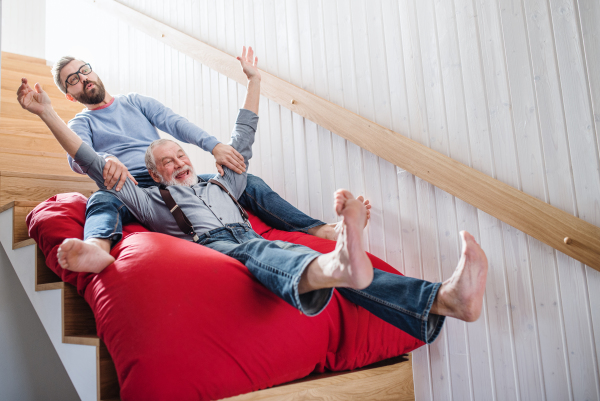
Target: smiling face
[
  {"x": 89, "y": 90},
  {"x": 173, "y": 167}
]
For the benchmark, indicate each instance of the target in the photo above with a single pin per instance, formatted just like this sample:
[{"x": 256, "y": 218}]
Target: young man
[
  {"x": 120, "y": 129},
  {"x": 300, "y": 276}
]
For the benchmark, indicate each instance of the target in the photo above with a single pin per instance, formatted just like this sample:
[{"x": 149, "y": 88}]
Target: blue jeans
[
  {"x": 404, "y": 302},
  {"x": 106, "y": 214},
  {"x": 401, "y": 301}
]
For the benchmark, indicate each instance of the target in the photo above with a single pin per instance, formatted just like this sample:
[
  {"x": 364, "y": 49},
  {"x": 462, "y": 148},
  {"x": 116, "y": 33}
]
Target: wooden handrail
[{"x": 524, "y": 212}]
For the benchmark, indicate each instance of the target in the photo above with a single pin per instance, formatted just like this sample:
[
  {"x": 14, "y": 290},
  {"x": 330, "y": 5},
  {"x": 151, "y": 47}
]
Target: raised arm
[
  {"x": 243, "y": 133},
  {"x": 38, "y": 102},
  {"x": 180, "y": 128}
]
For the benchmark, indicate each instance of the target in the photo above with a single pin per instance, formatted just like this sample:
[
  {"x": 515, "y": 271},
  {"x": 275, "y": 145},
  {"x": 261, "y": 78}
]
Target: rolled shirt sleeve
[
  {"x": 242, "y": 139},
  {"x": 83, "y": 131},
  {"x": 135, "y": 198}
]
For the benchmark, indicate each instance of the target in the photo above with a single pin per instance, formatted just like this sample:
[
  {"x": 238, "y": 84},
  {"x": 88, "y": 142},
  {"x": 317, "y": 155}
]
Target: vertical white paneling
[
  {"x": 458, "y": 148},
  {"x": 589, "y": 14},
  {"x": 299, "y": 141},
  {"x": 498, "y": 291},
  {"x": 264, "y": 141},
  {"x": 324, "y": 143},
  {"x": 287, "y": 133},
  {"x": 581, "y": 140},
  {"x": 510, "y": 88},
  {"x": 24, "y": 27},
  {"x": 529, "y": 160},
  {"x": 270, "y": 62}
]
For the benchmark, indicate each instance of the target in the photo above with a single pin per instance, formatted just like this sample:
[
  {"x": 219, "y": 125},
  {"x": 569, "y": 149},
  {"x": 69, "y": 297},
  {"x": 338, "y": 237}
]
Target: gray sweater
[{"x": 206, "y": 205}]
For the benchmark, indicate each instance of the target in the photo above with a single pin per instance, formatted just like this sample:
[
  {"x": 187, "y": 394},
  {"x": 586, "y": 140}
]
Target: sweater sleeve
[
  {"x": 82, "y": 129},
  {"x": 173, "y": 124}
]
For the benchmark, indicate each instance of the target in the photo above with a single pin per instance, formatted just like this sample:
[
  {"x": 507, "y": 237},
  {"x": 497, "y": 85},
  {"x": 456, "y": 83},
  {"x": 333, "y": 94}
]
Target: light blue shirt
[
  {"x": 205, "y": 204},
  {"x": 126, "y": 128}
]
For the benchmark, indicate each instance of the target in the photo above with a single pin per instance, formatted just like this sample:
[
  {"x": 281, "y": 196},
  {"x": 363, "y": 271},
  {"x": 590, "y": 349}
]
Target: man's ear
[
  {"x": 155, "y": 177},
  {"x": 70, "y": 97}
]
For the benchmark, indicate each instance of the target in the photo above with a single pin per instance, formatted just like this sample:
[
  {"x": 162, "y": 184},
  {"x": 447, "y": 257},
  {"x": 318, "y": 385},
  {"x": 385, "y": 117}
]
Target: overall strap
[
  {"x": 240, "y": 208},
  {"x": 180, "y": 217}
]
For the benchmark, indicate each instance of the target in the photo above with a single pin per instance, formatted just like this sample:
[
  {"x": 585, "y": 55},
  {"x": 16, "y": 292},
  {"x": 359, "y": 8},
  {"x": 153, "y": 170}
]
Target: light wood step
[
  {"x": 23, "y": 192},
  {"x": 12, "y": 123},
  {"x": 26, "y": 67},
  {"x": 27, "y": 141},
  {"x": 15, "y": 56},
  {"x": 12, "y": 108},
  {"x": 11, "y": 80},
  {"x": 29, "y": 161}
]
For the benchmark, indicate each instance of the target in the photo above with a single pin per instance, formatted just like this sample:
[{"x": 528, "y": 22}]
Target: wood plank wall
[{"x": 510, "y": 88}]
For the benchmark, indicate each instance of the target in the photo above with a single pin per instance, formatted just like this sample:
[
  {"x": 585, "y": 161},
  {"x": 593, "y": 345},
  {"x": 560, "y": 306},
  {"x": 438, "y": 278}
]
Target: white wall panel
[
  {"x": 24, "y": 27},
  {"x": 508, "y": 88}
]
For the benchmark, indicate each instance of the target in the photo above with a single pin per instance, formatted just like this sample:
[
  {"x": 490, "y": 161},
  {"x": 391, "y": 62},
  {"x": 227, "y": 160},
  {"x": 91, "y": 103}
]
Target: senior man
[
  {"x": 300, "y": 276},
  {"x": 120, "y": 128}
]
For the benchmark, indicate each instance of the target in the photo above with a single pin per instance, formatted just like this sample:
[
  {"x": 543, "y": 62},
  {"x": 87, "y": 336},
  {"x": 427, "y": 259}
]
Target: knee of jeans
[
  {"x": 253, "y": 181},
  {"x": 103, "y": 197}
]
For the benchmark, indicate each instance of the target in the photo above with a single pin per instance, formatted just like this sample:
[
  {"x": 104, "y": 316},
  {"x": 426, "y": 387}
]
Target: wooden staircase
[{"x": 33, "y": 167}]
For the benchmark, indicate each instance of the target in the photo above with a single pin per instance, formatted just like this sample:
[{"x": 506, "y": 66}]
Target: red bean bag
[{"x": 182, "y": 321}]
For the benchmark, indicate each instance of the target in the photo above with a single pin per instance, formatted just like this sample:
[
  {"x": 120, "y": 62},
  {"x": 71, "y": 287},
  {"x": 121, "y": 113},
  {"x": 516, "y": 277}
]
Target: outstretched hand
[
  {"x": 35, "y": 101},
  {"x": 249, "y": 65}
]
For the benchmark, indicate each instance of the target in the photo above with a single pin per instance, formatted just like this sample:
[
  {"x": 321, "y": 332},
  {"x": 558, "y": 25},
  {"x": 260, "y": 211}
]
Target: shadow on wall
[{"x": 30, "y": 369}]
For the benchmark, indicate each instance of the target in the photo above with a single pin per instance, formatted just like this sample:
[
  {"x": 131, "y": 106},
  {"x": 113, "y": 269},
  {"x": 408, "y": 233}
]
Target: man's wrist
[{"x": 47, "y": 114}]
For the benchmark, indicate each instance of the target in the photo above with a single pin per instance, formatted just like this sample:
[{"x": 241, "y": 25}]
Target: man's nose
[{"x": 179, "y": 163}]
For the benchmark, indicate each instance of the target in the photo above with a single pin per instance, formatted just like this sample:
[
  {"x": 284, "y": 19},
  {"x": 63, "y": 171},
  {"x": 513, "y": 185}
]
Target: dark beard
[{"x": 94, "y": 96}]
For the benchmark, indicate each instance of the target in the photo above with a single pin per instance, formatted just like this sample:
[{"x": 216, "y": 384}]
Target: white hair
[{"x": 151, "y": 166}]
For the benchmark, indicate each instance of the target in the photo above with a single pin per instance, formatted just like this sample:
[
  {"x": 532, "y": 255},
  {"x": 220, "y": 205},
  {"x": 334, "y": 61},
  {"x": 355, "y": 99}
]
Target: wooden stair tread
[
  {"x": 11, "y": 80},
  {"x": 13, "y": 123},
  {"x": 15, "y": 56},
  {"x": 32, "y": 162},
  {"x": 12, "y": 108},
  {"x": 26, "y": 67},
  {"x": 92, "y": 340},
  {"x": 23, "y": 141}
]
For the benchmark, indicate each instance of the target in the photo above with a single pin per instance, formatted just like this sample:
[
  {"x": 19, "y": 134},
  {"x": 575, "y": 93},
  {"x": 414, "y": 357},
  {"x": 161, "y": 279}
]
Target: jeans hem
[
  {"x": 425, "y": 318},
  {"x": 296, "y": 293}
]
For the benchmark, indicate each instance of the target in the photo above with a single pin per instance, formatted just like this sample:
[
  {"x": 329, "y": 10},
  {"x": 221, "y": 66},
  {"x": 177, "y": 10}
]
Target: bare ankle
[
  {"x": 102, "y": 243},
  {"x": 325, "y": 231}
]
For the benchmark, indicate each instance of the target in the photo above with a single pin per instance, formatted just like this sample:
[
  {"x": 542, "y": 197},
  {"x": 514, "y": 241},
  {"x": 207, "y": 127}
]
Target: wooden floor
[{"x": 27, "y": 148}]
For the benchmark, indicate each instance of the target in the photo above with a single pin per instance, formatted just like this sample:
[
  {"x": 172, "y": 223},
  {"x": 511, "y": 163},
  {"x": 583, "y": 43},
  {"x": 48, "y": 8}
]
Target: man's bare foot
[
  {"x": 79, "y": 256},
  {"x": 348, "y": 265},
  {"x": 329, "y": 231},
  {"x": 461, "y": 296}
]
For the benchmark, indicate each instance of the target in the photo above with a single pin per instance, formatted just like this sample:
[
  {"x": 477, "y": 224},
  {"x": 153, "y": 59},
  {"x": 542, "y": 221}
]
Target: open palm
[
  {"x": 35, "y": 101},
  {"x": 249, "y": 65}
]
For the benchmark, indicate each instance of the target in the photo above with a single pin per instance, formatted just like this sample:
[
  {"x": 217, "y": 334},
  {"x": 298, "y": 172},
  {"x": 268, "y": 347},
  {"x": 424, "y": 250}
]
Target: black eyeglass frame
[{"x": 76, "y": 73}]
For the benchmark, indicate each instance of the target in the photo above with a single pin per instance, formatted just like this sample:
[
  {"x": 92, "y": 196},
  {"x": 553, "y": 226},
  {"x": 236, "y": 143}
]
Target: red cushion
[{"x": 182, "y": 321}]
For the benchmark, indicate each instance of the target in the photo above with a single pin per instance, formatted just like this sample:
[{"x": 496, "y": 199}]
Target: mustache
[
  {"x": 181, "y": 170},
  {"x": 86, "y": 82}
]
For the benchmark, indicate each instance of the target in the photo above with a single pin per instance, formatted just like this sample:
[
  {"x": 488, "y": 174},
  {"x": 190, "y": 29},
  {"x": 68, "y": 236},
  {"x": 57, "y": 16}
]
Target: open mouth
[
  {"x": 89, "y": 86},
  {"x": 182, "y": 175}
]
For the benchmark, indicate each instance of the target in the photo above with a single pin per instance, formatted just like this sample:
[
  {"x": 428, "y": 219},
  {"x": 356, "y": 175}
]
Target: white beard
[{"x": 188, "y": 182}]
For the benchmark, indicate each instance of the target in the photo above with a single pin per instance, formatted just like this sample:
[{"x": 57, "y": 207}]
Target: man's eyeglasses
[{"x": 73, "y": 78}]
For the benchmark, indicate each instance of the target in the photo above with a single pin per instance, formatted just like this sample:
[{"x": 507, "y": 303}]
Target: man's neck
[{"x": 107, "y": 99}]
